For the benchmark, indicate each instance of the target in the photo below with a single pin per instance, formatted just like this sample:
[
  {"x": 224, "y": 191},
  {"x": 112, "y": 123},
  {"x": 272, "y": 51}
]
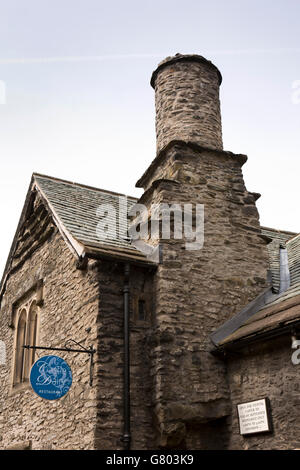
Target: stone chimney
[
  {"x": 196, "y": 291},
  {"x": 187, "y": 101}
]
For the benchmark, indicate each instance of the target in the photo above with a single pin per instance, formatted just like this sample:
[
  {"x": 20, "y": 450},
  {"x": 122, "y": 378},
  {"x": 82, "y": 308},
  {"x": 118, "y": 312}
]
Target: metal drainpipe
[{"x": 126, "y": 435}]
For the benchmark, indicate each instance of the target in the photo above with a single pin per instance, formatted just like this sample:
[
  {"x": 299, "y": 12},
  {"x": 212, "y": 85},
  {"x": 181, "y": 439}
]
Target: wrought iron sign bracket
[{"x": 91, "y": 351}]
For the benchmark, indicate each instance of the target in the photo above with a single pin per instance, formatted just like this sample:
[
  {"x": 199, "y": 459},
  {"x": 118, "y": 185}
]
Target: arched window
[
  {"x": 26, "y": 334},
  {"x": 2, "y": 353},
  {"x": 20, "y": 353}
]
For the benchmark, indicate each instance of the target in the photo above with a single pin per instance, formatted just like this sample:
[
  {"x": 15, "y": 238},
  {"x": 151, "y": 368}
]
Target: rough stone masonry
[{"x": 196, "y": 291}]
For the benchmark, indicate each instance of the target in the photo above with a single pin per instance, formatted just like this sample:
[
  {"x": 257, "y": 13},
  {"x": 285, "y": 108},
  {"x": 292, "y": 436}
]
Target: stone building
[{"x": 180, "y": 338}]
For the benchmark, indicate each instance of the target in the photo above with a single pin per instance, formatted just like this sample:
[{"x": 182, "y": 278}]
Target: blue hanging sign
[{"x": 51, "y": 377}]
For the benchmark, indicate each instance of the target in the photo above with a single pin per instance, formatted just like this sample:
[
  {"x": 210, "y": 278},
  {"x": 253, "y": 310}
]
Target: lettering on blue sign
[{"x": 51, "y": 377}]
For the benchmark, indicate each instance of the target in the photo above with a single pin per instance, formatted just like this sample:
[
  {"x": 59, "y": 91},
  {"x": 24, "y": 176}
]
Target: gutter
[{"x": 233, "y": 346}]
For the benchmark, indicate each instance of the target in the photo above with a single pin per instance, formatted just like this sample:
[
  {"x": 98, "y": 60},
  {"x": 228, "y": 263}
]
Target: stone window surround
[
  {"x": 147, "y": 306},
  {"x": 24, "y": 303}
]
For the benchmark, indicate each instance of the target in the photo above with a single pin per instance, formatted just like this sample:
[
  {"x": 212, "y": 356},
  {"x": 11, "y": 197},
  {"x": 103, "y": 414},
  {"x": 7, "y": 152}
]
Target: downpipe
[{"x": 126, "y": 438}]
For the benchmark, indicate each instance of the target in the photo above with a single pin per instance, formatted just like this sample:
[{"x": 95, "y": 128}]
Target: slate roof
[
  {"x": 270, "y": 311},
  {"x": 74, "y": 209},
  {"x": 282, "y": 312},
  {"x": 293, "y": 249}
]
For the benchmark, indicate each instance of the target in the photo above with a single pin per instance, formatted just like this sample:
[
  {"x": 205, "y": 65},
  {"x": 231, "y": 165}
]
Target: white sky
[{"x": 78, "y": 104}]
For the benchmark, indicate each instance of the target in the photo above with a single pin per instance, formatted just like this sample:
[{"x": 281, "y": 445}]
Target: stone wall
[
  {"x": 70, "y": 305},
  {"x": 266, "y": 370},
  {"x": 197, "y": 291},
  {"x": 111, "y": 363},
  {"x": 87, "y": 306},
  {"x": 187, "y": 101}
]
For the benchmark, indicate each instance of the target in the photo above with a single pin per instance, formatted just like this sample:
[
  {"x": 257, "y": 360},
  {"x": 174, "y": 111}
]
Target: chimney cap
[{"x": 182, "y": 57}]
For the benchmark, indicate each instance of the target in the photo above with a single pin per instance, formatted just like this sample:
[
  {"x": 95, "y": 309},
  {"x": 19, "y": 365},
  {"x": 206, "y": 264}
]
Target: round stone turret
[{"x": 187, "y": 101}]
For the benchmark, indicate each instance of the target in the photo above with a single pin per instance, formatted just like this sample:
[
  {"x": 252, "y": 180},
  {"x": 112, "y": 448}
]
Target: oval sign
[{"x": 51, "y": 377}]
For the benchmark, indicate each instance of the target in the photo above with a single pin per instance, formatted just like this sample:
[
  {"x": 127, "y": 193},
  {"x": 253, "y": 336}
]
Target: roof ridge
[
  {"x": 80, "y": 185},
  {"x": 279, "y": 230},
  {"x": 292, "y": 238}
]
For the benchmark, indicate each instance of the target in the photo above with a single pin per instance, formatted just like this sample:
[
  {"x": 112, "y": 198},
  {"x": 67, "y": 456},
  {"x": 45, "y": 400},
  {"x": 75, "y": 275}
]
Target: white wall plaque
[{"x": 254, "y": 416}]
